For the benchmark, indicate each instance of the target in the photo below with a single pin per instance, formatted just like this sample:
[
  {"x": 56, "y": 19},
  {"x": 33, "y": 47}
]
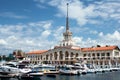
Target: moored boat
[
  {"x": 36, "y": 74},
  {"x": 68, "y": 71}
]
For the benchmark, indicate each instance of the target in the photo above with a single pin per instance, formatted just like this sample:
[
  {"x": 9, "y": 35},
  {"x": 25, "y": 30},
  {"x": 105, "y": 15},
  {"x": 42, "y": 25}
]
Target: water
[{"x": 98, "y": 76}]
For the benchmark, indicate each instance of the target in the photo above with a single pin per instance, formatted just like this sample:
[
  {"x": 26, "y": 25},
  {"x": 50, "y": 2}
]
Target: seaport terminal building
[{"x": 67, "y": 53}]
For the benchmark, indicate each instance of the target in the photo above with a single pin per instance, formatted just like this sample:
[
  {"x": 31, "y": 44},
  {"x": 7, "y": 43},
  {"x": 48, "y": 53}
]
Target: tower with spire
[{"x": 67, "y": 41}]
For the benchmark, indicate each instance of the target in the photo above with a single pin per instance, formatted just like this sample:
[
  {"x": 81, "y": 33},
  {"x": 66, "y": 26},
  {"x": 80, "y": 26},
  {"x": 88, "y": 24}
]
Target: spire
[
  {"x": 67, "y": 22},
  {"x": 67, "y": 41}
]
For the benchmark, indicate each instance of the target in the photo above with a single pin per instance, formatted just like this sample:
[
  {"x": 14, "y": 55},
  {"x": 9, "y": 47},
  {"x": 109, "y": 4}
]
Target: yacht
[
  {"x": 36, "y": 73},
  {"x": 68, "y": 70},
  {"x": 46, "y": 69},
  {"x": 12, "y": 68}
]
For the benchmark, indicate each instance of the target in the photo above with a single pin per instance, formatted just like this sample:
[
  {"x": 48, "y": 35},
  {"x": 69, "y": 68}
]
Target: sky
[{"x": 39, "y": 24}]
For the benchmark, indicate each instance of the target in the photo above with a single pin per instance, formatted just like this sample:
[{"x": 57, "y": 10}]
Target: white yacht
[
  {"x": 12, "y": 68},
  {"x": 34, "y": 73},
  {"x": 68, "y": 70}
]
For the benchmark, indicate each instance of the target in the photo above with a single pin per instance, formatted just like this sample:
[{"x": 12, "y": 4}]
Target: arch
[
  {"x": 89, "y": 55},
  {"x": 98, "y": 55},
  {"x": 108, "y": 54},
  {"x": 72, "y": 54},
  {"x": 55, "y": 55},
  {"x": 41, "y": 57},
  {"x": 76, "y": 55},
  {"x": 47, "y": 57},
  {"x": 93, "y": 54},
  {"x": 51, "y": 55},
  {"x": 66, "y": 55},
  {"x": 60, "y": 55}
]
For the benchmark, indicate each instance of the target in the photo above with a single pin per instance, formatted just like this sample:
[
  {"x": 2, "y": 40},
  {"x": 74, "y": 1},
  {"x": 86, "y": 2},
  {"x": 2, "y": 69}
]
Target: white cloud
[
  {"x": 41, "y": 6},
  {"x": 12, "y": 38},
  {"x": 3, "y": 42},
  {"x": 101, "y": 34},
  {"x": 86, "y": 14},
  {"x": 114, "y": 36},
  {"x": 12, "y": 15},
  {"x": 41, "y": 1},
  {"x": 27, "y": 36},
  {"x": 45, "y": 33},
  {"x": 58, "y": 33},
  {"x": 93, "y": 32},
  {"x": 46, "y": 26},
  {"x": 103, "y": 39}
]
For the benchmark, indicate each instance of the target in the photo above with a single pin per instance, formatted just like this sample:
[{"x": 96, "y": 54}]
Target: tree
[{"x": 98, "y": 46}]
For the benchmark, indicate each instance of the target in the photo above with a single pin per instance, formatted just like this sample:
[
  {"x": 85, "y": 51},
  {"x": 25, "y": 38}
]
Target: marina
[
  {"x": 66, "y": 60},
  {"x": 52, "y": 72}
]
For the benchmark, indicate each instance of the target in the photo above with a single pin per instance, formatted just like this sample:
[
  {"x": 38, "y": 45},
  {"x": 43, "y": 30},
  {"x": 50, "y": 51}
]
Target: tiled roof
[
  {"x": 103, "y": 48},
  {"x": 76, "y": 47},
  {"x": 100, "y": 48},
  {"x": 37, "y": 52}
]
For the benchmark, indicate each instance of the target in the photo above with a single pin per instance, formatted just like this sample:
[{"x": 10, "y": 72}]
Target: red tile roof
[
  {"x": 37, "y": 52},
  {"x": 100, "y": 48},
  {"x": 103, "y": 48}
]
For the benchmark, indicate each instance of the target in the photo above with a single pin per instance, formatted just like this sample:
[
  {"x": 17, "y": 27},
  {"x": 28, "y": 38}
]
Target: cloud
[
  {"x": 29, "y": 36},
  {"x": 40, "y": 4},
  {"x": 84, "y": 14},
  {"x": 47, "y": 26},
  {"x": 114, "y": 36},
  {"x": 45, "y": 33},
  {"x": 3, "y": 42},
  {"x": 103, "y": 39},
  {"x": 93, "y": 32},
  {"x": 12, "y": 15},
  {"x": 40, "y": 37}
]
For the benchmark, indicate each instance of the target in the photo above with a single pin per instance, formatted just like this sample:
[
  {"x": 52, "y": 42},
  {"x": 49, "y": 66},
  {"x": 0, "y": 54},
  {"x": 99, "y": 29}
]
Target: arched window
[
  {"x": 41, "y": 57},
  {"x": 108, "y": 54},
  {"x": 51, "y": 56},
  {"x": 76, "y": 55},
  {"x": 93, "y": 54},
  {"x": 46, "y": 57},
  {"x": 72, "y": 54},
  {"x": 55, "y": 55},
  {"x": 66, "y": 55},
  {"x": 61, "y": 55}
]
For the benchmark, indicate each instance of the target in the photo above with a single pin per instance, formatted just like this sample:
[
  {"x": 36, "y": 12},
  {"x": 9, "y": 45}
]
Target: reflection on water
[{"x": 98, "y": 76}]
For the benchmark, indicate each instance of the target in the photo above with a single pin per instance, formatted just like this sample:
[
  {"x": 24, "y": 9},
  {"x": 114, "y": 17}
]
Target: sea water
[{"x": 93, "y": 76}]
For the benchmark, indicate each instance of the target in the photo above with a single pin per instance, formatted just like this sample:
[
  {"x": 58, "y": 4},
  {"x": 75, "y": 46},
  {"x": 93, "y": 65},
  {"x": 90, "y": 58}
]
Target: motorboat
[
  {"x": 106, "y": 69},
  {"x": 81, "y": 68},
  {"x": 12, "y": 68},
  {"x": 51, "y": 71},
  {"x": 91, "y": 70},
  {"x": 25, "y": 70},
  {"x": 28, "y": 77},
  {"x": 9, "y": 70},
  {"x": 98, "y": 70},
  {"x": 68, "y": 71},
  {"x": 44, "y": 66},
  {"x": 36, "y": 74},
  {"x": 46, "y": 69}
]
